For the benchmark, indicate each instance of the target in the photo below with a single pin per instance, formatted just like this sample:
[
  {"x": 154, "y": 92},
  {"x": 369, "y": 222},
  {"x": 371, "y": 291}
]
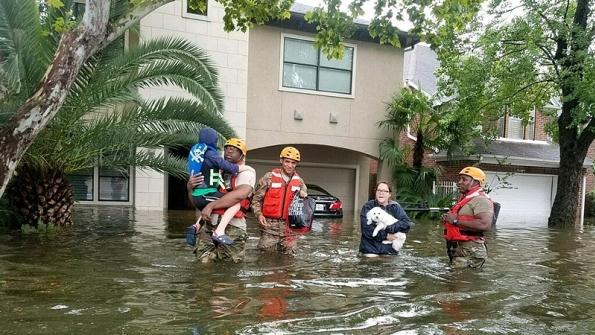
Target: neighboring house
[
  {"x": 524, "y": 155},
  {"x": 279, "y": 91}
]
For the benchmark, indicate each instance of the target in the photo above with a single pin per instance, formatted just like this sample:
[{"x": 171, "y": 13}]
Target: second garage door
[
  {"x": 528, "y": 198},
  {"x": 338, "y": 181}
]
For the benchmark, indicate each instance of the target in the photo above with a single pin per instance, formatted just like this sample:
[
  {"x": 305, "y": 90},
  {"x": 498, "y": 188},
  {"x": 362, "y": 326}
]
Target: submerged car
[{"x": 327, "y": 205}]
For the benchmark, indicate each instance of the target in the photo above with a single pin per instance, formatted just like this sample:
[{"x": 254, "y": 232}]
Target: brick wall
[{"x": 540, "y": 121}]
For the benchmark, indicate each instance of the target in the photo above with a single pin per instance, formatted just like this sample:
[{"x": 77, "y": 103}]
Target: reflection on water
[{"x": 131, "y": 273}]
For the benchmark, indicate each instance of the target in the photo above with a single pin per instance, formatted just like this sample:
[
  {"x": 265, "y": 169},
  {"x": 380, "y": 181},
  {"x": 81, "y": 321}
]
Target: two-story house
[
  {"x": 523, "y": 156},
  {"x": 279, "y": 90}
]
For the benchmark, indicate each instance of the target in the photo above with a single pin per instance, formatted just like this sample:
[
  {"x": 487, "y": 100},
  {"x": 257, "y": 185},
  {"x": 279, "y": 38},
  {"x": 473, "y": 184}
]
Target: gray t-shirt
[{"x": 246, "y": 177}]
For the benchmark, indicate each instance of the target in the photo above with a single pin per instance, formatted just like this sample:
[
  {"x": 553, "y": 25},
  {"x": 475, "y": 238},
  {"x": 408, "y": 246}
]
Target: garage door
[
  {"x": 339, "y": 182},
  {"x": 528, "y": 198}
]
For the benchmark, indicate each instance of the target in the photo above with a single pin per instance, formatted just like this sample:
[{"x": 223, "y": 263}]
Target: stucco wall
[{"x": 378, "y": 74}]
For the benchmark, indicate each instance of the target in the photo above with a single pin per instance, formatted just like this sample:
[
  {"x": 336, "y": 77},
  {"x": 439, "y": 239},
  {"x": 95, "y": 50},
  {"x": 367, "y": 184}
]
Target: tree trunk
[
  {"x": 76, "y": 46},
  {"x": 42, "y": 198},
  {"x": 564, "y": 209},
  {"x": 418, "y": 151}
]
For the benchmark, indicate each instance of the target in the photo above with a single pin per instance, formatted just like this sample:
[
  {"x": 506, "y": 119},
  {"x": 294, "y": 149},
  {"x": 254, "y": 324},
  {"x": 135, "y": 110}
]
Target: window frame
[
  {"x": 96, "y": 191},
  {"x": 505, "y": 131},
  {"x": 350, "y": 95},
  {"x": 200, "y": 17}
]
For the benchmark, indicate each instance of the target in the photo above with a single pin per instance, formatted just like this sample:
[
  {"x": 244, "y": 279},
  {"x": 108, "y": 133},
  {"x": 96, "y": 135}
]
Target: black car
[{"x": 327, "y": 205}]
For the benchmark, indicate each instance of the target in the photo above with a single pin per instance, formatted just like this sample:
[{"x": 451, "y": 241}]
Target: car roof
[{"x": 317, "y": 188}]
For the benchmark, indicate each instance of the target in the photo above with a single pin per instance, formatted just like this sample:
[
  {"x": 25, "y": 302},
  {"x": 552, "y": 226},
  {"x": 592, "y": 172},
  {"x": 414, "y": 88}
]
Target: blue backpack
[{"x": 196, "y": 157}]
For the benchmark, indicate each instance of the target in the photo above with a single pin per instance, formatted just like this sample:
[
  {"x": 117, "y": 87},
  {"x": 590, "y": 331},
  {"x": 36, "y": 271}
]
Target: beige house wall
[
  {"x": 271, "y": 110},
  {"x": 378, "y": 71}
]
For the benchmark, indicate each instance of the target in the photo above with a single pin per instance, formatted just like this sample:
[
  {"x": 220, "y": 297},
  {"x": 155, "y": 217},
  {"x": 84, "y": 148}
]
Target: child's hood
[{"x": 208, "y": 136}]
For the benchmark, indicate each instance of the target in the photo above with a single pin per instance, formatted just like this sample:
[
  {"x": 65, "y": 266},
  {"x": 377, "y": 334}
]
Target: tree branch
[
  {"x": 551, "y": 58},
  {"x": 116, "y": 29}
]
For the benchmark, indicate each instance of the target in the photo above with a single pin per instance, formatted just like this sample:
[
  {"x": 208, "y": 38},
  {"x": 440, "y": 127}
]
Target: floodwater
[{"x": 124, "y": 272}]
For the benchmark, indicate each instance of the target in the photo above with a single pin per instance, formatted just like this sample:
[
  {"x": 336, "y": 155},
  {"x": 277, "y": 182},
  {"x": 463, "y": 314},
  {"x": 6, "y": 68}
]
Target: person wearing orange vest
[
  {"x": 271, "y": 200},
  {"x": 239, "y": 190},
  {"x": 467, "y": 220}
]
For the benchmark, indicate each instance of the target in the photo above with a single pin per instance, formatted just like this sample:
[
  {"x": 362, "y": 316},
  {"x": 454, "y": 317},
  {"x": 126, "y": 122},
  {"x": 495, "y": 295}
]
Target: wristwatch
[{"x": 455, "y": 221}]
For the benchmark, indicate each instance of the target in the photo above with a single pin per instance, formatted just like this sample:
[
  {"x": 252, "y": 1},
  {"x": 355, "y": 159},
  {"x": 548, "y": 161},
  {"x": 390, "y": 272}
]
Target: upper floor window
[
  {"x": 513, "y": 128},
  {"x": 306, "y": 67},
  {"x": 195, "y": 7}
]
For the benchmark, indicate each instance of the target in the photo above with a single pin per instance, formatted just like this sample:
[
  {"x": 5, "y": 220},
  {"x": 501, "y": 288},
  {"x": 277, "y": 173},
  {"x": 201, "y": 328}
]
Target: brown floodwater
[{"x": 123, "y": 272}]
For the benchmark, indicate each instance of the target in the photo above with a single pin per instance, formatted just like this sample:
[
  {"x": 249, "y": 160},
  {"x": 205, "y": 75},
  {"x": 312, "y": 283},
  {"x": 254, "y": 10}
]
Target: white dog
[{"x": 382, "y": 219}]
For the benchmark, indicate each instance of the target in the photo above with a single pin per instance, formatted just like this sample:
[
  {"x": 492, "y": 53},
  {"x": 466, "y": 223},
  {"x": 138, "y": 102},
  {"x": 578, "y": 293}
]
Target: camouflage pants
[
  {"x": 467, "y": 254},
  {"x": 276, "y": 236},
  {"x": 208, "y": 251}
]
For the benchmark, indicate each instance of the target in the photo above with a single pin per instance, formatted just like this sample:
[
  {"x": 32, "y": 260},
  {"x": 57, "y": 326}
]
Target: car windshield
[{"x": 316, "y": 190}]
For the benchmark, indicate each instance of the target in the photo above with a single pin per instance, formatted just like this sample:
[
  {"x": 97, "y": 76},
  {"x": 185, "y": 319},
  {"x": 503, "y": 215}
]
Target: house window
[
  {"x": 513, "y": 128},
  {"x": 196, "y": 7},
  {"x": 82, "y": 185},
  {"x": 305, "y": 67},
  {"x": 113, "y": 185},
  {"x": 101, "y": 184}
]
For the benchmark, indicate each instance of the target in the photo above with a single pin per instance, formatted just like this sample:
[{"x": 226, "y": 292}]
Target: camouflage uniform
[
  {"x": 470, "y": 254},
  {"x": 467, "y": 254},
  {"x": 207, "y": 251},
  {"x": 275, "y": 235}
]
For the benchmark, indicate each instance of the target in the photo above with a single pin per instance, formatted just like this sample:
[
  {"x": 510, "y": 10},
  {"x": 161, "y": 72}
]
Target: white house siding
[{"x": 229, "y": 51}]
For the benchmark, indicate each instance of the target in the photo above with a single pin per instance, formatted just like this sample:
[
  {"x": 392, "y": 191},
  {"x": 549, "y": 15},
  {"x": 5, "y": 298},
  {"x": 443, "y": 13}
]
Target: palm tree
[
  {"x": 411, "y": 111},
  {"x": 104, "y": 118}
]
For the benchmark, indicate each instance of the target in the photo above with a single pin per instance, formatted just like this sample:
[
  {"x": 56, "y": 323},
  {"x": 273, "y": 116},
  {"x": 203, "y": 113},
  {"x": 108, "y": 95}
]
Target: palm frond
[
  {"x": 392, "y": 153},
  {"x": 110, "y": 81},
  {"x": 22, "y": 43},
  {"x": 151, "y": 159}
]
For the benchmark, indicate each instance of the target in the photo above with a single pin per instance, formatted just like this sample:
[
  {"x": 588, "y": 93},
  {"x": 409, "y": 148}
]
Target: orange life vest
[
  {"x": 279, "y": 195},
  {"x": 453, "y": 232},
  {"x": 244, "y": 203}
]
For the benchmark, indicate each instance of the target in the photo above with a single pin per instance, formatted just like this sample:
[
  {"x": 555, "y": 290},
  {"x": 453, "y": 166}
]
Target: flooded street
[{"x": 124, "y": 272}]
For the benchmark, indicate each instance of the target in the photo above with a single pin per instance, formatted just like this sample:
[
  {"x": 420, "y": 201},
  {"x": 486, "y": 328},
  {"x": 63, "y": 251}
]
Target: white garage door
[
  {"x": 339, "y": 182},
  {"x": 528, "y": 198}
]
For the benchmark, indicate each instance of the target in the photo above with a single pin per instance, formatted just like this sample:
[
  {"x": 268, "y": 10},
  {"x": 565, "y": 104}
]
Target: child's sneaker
[{"x": 222, "y": 239}]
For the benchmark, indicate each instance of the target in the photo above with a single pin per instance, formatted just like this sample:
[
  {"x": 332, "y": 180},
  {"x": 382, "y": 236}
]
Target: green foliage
[
  {"x": 104, "y": 118},
  {"x": 333, "y": 27},
  {"x": 243, "y": 14},
  {"x": 198, "y": 6},
  {"x": 590, "y": 204}
]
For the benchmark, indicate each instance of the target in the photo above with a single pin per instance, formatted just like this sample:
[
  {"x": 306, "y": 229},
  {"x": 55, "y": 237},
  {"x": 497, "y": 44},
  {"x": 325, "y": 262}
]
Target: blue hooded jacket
[{"x": 206, "y": 159}]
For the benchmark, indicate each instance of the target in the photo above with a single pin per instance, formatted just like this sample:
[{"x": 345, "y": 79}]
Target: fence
[{"x": 444, "y": 187}]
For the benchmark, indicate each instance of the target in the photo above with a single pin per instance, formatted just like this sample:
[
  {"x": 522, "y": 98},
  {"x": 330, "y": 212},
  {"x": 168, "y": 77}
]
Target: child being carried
[{"x": 204, "y": 158}]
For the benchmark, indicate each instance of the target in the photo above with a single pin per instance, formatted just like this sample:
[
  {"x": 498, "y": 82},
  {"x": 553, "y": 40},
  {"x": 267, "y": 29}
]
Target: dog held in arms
[{"x": 382, "y": 219}]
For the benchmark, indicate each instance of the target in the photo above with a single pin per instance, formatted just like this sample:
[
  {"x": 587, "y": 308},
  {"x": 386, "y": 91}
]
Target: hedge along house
[
  {"x": 328, "y": 109},
  {"x": 521, "y": 164},
  {"x": 279, "y": 90}
]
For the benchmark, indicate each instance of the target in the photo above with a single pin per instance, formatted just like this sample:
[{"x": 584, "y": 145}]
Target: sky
[{"x": 368, "y": 10}]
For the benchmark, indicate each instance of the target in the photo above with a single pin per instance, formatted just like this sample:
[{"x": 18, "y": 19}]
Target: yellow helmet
[
  {"x": 237, "y": 143},
  {"x": 474, "y": 173},
  {"x": 291, "y": 153}
]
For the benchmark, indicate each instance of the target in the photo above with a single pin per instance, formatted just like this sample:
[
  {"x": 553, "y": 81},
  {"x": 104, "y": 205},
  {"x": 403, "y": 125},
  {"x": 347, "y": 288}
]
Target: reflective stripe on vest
[
  {"x": 279, "y": 195},
  {"x": 453, "y": 232}
]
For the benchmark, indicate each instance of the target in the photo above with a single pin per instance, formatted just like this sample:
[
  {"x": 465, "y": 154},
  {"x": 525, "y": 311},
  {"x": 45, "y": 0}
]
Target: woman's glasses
[{"x": 382, "y": 191}]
